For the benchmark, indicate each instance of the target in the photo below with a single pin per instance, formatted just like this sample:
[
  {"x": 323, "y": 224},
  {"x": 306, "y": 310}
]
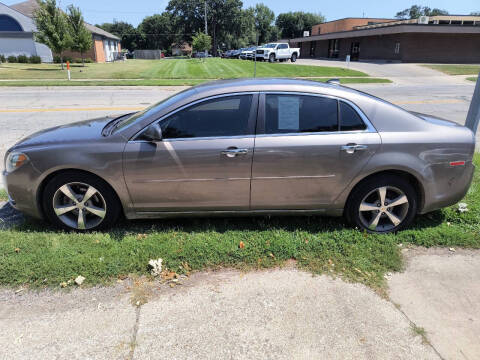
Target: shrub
[
  {"x": 22, "y": 59},
  {"x": 56, "y": 59},
  {"x": 12, "y": 59},
  {"x": 2, "y": 59},
  {"x": 35, "y": 60}
]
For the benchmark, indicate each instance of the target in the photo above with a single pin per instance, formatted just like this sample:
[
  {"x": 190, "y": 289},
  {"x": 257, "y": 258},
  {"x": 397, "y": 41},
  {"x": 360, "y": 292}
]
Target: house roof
[{"x": 29, "y": 7}]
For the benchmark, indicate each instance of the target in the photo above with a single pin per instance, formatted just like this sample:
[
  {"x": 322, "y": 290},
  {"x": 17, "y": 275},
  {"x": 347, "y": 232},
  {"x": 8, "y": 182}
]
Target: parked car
[
  {"x": 247, "y": 54},
  {"x": 228, "y": 54},
  {"x": 319, "y": 149},
  {"x": 277, "y": 51}
]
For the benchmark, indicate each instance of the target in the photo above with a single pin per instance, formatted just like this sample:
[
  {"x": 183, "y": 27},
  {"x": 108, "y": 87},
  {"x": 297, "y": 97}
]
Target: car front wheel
[
  {"x": 79, "y": 201},
  {"x": 383, "y": 204},
  {"x": 271, "y": 58}
]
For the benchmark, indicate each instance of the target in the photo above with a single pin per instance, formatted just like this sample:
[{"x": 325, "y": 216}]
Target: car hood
[{"x": 75, "y": 132}]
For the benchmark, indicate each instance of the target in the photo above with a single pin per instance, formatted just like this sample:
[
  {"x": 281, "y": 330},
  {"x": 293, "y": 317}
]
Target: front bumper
[{"x": 22, "y": 190}]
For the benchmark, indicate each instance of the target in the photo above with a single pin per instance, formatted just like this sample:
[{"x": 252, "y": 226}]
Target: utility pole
[
  {"x": 206, "y": 26},
  {"x": 255, "y": 56},
  {"x": 473, "y": 117}
]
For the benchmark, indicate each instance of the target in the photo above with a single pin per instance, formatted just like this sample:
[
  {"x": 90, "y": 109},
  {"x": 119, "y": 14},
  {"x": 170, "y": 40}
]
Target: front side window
[
  {"x": 226, "y": 116},
  {"x": 300, "y": 114}
]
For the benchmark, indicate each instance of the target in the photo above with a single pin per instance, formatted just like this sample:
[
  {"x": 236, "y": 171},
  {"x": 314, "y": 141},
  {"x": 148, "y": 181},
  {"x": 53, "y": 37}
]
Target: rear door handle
[
  {"x": 352, "y": 148},
  {"x": 234, "y": 152}
]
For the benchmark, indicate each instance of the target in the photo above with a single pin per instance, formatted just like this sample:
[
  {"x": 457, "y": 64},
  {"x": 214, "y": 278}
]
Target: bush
[
  {"x": 12, "y": 59},
  {"x": 56, "y": 59},
  {"x": 2, "y": 59},
  {"x": 35, "y": 60},
  {"x": 22, "y": 59}
]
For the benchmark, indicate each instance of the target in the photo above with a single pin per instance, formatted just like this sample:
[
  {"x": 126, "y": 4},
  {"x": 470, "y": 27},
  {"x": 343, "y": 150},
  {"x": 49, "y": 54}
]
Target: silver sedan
[{"x": 245, "y": 147}]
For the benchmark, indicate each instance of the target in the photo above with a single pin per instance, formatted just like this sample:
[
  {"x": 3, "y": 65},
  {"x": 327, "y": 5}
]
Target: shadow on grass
[{"x": 310, "y": 224}]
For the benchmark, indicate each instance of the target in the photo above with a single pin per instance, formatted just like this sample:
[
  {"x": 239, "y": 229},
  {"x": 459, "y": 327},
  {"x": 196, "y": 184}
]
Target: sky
[{"x": 100, "y": 11}]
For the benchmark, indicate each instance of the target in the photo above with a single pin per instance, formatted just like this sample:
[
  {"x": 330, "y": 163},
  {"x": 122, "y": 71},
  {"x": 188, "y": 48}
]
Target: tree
[
  {"x": 201, "y": 42},
  {"x": 475, "y": 13},
  {"x": 223, "y": 19},
  {"x": 156, "y": 32},
  {"x": 264, "y": 18},
  {"x": 129, "y": 35},
  {"x": 293, "y": 24},
  {"x": 415, "y": 11},
  {"x": 81, "y": 37},
  {"x": 52, "y": 27}
]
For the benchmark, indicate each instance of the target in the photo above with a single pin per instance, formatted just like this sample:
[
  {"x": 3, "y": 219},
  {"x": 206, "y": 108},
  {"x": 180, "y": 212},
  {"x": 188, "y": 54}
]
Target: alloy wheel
[
  {"x": 79, "y": 206},
  {"x": 383, "y": 209}
]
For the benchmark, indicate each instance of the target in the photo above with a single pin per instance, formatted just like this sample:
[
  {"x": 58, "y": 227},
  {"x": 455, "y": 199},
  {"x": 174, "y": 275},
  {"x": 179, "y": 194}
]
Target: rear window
[{"x": 349, "y": 118}]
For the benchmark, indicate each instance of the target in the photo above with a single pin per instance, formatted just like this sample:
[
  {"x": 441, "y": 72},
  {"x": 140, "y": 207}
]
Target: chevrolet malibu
[{"x": 245, "y": 147}]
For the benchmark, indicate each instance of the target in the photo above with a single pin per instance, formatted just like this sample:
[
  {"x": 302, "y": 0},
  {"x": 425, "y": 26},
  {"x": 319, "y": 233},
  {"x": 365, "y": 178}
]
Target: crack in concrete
[
  {"x": 415, "y": 325},
  {"x": 133, "y": 342}
]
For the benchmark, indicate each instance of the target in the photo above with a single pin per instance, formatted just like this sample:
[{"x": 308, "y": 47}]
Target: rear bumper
[{"x": 447, "y": 190}]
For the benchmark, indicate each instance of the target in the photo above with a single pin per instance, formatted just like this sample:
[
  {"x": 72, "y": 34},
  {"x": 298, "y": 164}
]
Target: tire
[
  {"x": 364, "y": 212},
  {"x": 271, "y": 58},
  {"x": 293, "y": 58},
  {"x": 101, "y": 210}
]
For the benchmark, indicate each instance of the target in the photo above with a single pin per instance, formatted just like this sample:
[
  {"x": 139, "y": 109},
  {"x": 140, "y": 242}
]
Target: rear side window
[
  {"x": 349, "y": 118},
  {"x": 300, "y": 113},
  {"x": 226, "y": 116}
]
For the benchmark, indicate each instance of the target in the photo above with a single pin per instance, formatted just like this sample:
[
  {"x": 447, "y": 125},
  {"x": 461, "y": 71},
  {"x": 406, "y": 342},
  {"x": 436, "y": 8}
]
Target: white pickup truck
[{"x": 277, "y": 51}]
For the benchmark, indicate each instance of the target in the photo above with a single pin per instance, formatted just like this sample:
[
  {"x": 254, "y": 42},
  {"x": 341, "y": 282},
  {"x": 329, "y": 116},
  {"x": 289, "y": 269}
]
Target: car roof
[{"x": 269, "y": 84}]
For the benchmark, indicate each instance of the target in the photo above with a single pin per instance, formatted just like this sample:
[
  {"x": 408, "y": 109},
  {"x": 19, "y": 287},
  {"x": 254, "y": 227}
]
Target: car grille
[{"x": 260, "y": 52}]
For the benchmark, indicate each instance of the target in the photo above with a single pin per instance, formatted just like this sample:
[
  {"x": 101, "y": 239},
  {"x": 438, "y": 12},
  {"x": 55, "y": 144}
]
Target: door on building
[
  {"x": 333, "y": 48},
  {"x": 355, "y": 51},
  {"x": 313, "y": 45}
]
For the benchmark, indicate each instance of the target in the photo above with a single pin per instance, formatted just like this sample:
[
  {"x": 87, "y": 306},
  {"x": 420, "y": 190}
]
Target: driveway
[{"x": 399, "y": 73}]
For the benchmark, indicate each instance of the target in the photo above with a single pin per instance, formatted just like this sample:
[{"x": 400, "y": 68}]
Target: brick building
[
  {"x": 436, "y": 39},
  {"x": 105, "y": 47}
]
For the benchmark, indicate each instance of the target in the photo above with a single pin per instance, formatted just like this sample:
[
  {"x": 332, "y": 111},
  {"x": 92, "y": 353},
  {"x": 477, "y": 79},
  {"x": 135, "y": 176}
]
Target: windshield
[
  {"x": 150, "y": 110},
  {"x": 270, "y": 46}
]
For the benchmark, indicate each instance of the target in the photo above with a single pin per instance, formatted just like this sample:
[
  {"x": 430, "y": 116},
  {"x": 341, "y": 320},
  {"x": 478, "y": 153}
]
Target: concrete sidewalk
[{"x": 278, "y": 314}]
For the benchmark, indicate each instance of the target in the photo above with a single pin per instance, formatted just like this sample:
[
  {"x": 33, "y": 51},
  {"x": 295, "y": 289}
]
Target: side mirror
[{"x": 153, "y": 133}]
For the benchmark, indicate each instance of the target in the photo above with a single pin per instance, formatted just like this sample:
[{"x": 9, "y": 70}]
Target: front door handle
[
  {"x": 234, "y": 152},
  {"x": 352, "y": 148}
]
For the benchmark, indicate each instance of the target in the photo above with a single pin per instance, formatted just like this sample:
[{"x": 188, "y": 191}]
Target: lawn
[
  {"x": 36, "y": 255},
  {"x": 474, "y": 79},
  {"x": 456, "y": 69},
  {"x": 163, "y": 72}
]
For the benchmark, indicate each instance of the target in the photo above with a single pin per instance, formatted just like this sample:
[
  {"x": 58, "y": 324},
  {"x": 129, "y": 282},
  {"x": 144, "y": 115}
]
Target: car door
[
  {"x": 283, "y": 51},
  {"x": 307, "y": 150},
  {"x": 203, "y": 162}
]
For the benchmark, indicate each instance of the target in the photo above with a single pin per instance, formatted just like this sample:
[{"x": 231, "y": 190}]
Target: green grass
[
  {"x": 456, "y": 69},
  {"x": 36, "y": 255},
  {"x": 3, "y": 195},
  {"x": 474, "y": 79},
  {"x": 162, "y": 82},
  {"x": 190, "y": 69}
]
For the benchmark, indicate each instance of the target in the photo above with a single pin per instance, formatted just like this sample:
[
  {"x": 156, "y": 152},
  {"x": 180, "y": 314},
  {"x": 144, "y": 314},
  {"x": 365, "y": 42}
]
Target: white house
[{"x": 17, "y": 35}]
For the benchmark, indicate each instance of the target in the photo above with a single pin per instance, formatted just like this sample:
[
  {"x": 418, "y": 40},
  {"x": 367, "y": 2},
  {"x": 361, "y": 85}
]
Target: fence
[{"x": 148, "y": 54}]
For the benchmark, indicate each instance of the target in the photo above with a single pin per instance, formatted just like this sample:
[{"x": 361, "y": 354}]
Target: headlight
[{"x": 15, "y": 160}]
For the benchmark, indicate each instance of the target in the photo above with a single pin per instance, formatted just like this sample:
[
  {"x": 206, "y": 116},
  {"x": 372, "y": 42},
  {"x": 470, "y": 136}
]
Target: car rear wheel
[
  {"x": 271, "y": 58},
  {"x": 383, "y": 204},
  {"x": 81, "y": 202},
  {"x": 293, "y": 58}
]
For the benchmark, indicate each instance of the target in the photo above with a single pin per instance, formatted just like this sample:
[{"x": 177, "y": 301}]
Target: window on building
[
  {"x": 397, "y": 48},
  {"x": 7, "y": 23}
]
